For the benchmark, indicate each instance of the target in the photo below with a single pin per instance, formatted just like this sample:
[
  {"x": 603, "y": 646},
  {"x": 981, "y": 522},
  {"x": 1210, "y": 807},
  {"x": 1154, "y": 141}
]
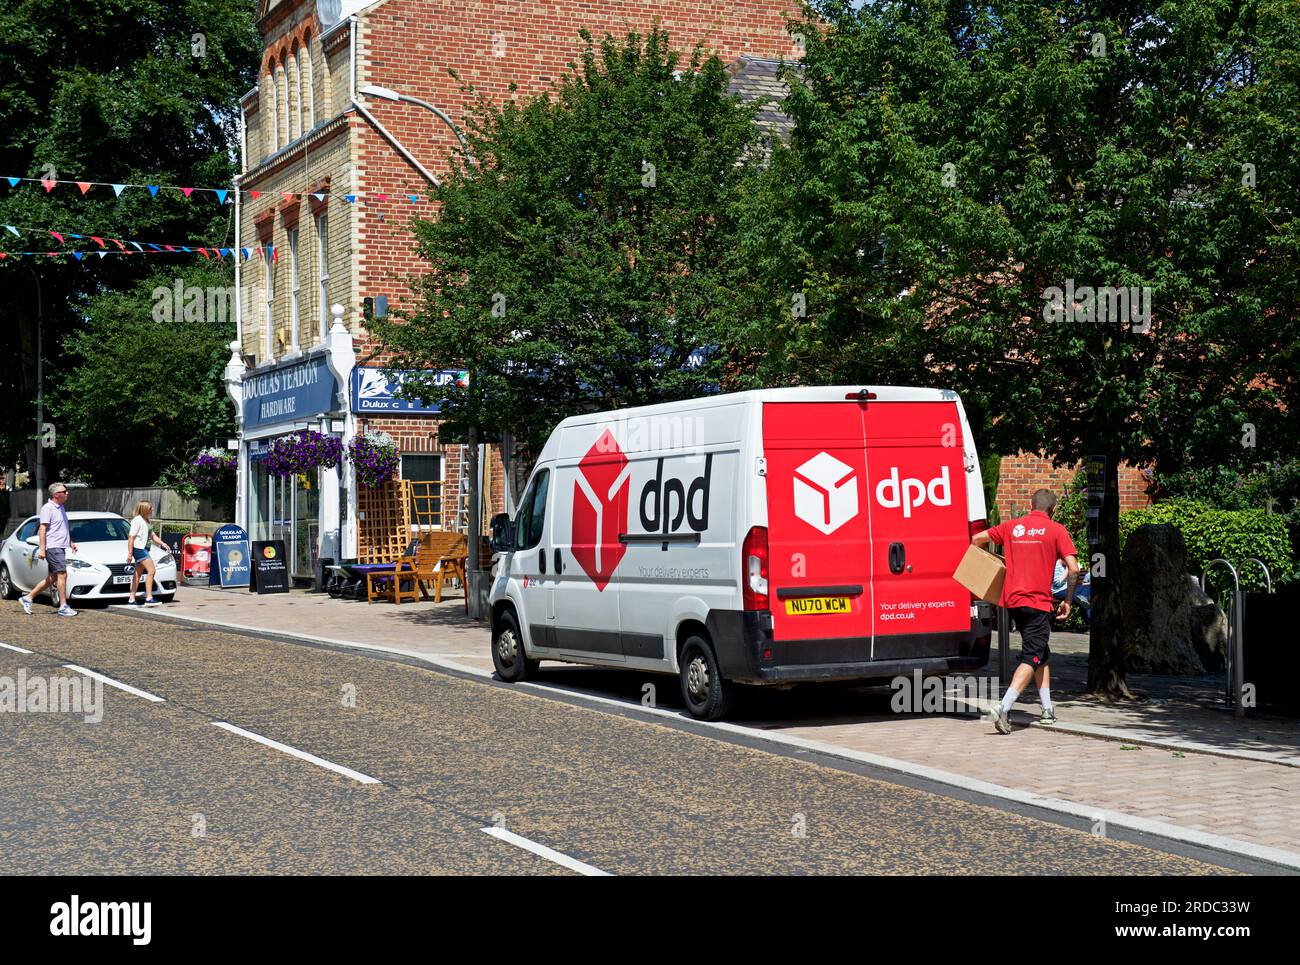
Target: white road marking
[
  {"x": 10, "y": 646},
  {"x": 114, "y": 683},
  {"x": 573, "y": 864},
  {"x": 301, "y": 755}
]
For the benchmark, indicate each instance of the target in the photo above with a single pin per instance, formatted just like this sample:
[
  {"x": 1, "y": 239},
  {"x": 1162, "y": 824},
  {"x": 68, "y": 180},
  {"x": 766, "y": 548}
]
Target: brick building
[
  {"x": 1026, "y": 472},
  {"x": 332, "y": 173}
]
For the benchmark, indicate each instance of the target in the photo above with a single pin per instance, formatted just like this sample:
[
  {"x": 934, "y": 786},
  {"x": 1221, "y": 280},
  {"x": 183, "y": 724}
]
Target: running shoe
[
  {"x": 999, "y": 719},
  {"x": 26, "y": 602},
  {"x": 1048, "y": 716},
  {"x": 65, "y": 611}
]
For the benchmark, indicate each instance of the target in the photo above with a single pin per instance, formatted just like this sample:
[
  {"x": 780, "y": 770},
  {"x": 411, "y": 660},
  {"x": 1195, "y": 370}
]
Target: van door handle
[
  {"x": 541, "y": 561},
  {"x": 897, "y": 558},
  {"x": 559, "y": 565}
]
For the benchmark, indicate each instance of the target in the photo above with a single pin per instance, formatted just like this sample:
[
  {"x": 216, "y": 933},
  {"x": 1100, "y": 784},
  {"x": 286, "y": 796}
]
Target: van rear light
[
  {"x": 753, "y": 557},
  {"x": 978, "y": 526}
]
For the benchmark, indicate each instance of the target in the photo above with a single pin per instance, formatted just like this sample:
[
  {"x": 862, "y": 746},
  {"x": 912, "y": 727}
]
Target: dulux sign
[
  {"x": 375, "y": 389},
  {"x": 290, "y": 392}
]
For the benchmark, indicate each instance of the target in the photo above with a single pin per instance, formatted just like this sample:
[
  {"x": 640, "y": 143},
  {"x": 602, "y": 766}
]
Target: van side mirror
[{"x": 503, "y": 533}]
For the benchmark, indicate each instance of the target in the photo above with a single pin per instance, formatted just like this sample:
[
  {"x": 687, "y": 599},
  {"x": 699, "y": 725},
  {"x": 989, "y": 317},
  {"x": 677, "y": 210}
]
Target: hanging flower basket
[
  {"x": 303, "y": 452},
  {"x": 374, "y": 457},
  {"x": 212, "y": 468}
]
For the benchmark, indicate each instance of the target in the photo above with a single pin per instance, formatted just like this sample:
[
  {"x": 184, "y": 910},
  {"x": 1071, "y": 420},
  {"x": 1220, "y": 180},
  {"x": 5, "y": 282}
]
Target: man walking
[
  {"x": 1032, "y": 544},
  {"x": 55, "y": 541}
]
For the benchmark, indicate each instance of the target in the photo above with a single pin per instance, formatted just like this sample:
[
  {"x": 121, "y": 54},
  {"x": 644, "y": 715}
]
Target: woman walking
[{"x": 137, "y": 552}]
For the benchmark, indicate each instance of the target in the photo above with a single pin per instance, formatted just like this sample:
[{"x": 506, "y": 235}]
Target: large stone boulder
[
  {"x": 1156, "y": 603},
  {"x": 1209, "y": 628}
]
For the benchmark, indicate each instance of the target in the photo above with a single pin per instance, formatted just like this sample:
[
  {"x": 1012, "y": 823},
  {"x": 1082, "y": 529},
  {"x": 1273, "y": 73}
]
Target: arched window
[
  {"x": 282, "y": 89},
  {"x": 307, "y": 86},
  {"x": 295, "y": 99},
  {"x": 272, "y": 113}
]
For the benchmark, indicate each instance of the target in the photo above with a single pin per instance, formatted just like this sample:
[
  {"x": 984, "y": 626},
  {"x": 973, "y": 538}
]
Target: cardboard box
[{"x": 982, "y": 573}]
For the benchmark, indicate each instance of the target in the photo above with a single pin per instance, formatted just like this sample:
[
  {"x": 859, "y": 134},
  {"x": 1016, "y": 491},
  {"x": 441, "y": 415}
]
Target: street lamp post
[{"x": 473, "y": 563}]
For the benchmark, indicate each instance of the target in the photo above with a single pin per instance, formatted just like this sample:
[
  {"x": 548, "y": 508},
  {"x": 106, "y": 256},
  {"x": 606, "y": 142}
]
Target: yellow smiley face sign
[{"x": 268, "y": 552}]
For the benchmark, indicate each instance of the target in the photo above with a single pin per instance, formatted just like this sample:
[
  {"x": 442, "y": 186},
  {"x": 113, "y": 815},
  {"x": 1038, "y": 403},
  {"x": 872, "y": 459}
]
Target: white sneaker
[
  {"x": 65, "y": 611},
  {"x": 26, "y": 602}
]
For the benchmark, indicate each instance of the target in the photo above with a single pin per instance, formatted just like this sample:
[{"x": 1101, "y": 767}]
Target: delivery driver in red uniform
[{"x": 1032, "y": 545}]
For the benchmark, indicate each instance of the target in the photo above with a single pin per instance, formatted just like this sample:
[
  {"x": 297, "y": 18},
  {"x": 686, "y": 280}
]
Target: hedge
[{"x": 1234, "y": 535}]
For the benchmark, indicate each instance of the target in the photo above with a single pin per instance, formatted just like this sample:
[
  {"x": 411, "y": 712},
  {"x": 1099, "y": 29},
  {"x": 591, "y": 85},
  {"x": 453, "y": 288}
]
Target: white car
[{"x": 97, "y": 571}]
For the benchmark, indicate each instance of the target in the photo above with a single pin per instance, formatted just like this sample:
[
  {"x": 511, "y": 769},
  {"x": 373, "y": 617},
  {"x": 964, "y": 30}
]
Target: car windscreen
[{"x": 99, "y": 530}]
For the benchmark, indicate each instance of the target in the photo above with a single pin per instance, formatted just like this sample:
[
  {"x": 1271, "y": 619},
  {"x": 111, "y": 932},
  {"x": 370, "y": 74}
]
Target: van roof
[{"x": 808, "y": 393}]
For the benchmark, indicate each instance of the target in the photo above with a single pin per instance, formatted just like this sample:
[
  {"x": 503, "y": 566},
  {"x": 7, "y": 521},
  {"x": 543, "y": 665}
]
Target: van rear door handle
[
  {"x": 897, "y": 558},
  {"x": 541, "y": 560},
  {"x": 559, "y": 565}
]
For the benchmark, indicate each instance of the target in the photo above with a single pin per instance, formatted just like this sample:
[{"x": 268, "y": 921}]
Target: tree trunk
[{"x": 1106, "y": 636}]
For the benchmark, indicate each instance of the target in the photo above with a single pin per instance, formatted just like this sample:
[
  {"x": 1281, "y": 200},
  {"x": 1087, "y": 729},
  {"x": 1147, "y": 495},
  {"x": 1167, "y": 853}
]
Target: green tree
[
  {"x": 577, "y": 261},
  {"x": 953, "y": 165},
  {"x": 144, "y": 384},
  {"x": 139, "y": 91}
]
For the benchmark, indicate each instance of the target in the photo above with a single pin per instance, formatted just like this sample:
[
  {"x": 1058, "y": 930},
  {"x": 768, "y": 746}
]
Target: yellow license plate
[{"x": 817, "y": 605}]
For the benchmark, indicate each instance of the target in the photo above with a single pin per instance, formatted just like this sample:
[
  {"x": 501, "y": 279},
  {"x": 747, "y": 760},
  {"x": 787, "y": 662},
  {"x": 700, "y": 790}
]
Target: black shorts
[{"x": 1035, "y": 628}]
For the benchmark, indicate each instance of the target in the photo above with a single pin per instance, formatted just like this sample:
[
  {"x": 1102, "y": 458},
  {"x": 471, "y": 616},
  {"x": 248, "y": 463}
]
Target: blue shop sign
[
  {"x": 289, "y": 393},
  {"x": 375, "y": 390}
]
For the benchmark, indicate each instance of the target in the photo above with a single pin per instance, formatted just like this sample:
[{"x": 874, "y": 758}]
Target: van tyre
[
  {"x": 707, "y": 694},
  {"x": 508, "y": 651}
]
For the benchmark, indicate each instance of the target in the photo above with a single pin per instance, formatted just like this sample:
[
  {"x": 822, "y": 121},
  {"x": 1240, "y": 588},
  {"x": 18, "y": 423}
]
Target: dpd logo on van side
[{"x": 600, "y": 510}]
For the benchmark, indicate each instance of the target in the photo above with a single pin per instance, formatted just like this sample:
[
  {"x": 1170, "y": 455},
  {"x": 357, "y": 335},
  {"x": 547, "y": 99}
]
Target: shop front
[{"x": 280, "y": 405}]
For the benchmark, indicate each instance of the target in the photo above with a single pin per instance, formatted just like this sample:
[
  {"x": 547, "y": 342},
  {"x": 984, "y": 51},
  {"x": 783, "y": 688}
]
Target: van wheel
[
  {"x": 707, "y": 695},
  {"x": 508, "y": 651},
  {"x": 6, "y": 584}
]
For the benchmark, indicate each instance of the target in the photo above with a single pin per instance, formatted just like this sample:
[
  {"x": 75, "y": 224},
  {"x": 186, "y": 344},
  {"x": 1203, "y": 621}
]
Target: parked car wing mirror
[{"x": 33, "y": 541}]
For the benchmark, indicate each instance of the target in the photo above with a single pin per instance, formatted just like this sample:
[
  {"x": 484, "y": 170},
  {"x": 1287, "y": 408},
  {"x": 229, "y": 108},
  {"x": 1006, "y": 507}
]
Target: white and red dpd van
[{"x": 765, "y": 537}]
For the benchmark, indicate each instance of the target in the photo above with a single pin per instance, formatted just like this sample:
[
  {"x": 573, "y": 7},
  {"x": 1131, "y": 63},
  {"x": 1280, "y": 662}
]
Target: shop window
[{"x": 424, "y": 471}]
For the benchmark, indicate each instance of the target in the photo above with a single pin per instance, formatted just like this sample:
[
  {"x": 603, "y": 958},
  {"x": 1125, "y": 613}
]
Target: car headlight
[
  {"x": 166, "y": 560},
  {"x": 81, "y": 565}
]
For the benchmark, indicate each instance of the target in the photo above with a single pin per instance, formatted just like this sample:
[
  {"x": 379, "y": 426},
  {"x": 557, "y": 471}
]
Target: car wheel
[
  {"x": 706, "y": 693},
  {"x": 508, "y": 654},
  {"x": 7, "y": 589}
]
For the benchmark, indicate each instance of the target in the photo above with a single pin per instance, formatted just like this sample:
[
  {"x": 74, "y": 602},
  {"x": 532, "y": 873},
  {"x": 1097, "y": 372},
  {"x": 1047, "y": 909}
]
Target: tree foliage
[
  {"x": 139, "y": 91},
  {"x": 138, "y": 398}
]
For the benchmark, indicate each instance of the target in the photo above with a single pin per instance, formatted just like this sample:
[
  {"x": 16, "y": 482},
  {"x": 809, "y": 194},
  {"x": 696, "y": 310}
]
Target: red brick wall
[
  {"x": 408, "y": 45},
  {"x": 1024, "y": 473}
]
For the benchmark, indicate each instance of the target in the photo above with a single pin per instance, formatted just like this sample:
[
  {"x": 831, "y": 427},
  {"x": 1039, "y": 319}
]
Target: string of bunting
[
  {"x": 141, "y": 247},
  {"x": 78, "y": 255},
  {"x": 222, "y": 195}
]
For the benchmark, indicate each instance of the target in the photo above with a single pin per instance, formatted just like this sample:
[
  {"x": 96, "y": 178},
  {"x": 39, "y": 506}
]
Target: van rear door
[
  {"x": 919, "y": 527},
  {"x": 819, "y": 538}
]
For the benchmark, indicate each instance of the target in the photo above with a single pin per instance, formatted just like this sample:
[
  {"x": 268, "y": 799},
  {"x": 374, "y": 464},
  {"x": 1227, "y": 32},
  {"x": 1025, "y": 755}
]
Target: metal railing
[{"x": 1236, "y": 631}]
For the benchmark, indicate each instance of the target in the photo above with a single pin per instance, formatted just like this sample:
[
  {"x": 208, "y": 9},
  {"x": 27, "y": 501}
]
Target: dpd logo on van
[{"x": 600, "y": 510}]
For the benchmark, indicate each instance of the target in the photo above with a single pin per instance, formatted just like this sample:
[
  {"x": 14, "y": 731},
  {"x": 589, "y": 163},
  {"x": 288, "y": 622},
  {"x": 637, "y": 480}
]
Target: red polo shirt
[{"x": 1032, "y": 544}]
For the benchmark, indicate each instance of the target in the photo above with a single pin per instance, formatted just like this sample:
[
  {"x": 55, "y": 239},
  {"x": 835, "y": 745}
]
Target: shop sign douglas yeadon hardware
[{"x": 296, "y": 390}]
